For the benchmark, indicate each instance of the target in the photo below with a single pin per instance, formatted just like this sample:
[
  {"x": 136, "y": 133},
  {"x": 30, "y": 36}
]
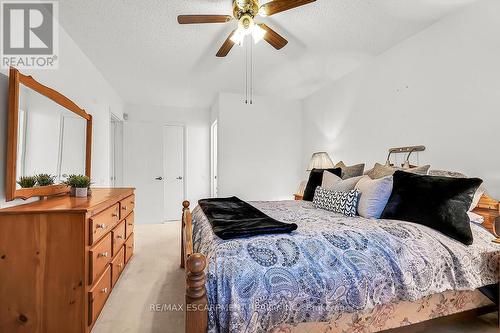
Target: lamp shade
[{"x": 320, "y": 160}]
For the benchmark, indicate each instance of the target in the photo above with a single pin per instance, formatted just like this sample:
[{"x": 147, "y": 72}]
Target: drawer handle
[
  {"x": 101, "y": 226},
  {"x": 120, "y": 265},
  {"x": 119, "y": 236},
  {"x": 132, "y": 202},
  {"x": 104, "y": 290},
  {"x": 114, "y": 215},
  {"x": 130, "y": 224},
  {"x": 102, "y": 254},
  {"x": 124, "y": 208}
]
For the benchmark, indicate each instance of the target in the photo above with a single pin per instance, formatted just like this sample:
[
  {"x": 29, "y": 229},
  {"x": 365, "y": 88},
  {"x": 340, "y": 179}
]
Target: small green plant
[
  {"x": 27, "y": 181},
  {"x": 77, "y": 181},
  {"x": 45, "y": 179}
]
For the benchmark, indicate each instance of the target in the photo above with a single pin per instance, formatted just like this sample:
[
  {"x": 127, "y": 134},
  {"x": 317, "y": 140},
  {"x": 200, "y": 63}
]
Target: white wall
[
  {"x": 79, "y": 80},
  {"x": 260, "y": 147},
  {"x": 439, "y": 88},
  {"x": 197, "y": 126}
]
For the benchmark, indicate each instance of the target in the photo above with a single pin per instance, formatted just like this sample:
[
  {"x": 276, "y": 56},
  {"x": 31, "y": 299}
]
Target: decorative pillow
[
  {"x": 350, "y": 171},
  {"x": 346, "y": 185},
  {"x": 329, "y": 179},
  {"x": 476, "y": 218},
  {"x": 315, "y": 179},
  {"x": 380, "y": 171},
  {"x": 338, "y": 202},
  {"x": 440, "y": 203},
  {"x": 374, "y": 196},
  {"x": 445, "y": 173}
]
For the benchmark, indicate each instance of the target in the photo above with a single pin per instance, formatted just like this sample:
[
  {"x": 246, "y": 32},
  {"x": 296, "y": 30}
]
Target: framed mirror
[{"x": 49, "y": 136}]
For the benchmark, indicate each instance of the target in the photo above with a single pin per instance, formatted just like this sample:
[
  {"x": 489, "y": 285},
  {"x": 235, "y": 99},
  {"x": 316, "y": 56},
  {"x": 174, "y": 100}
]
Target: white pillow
[
  {"x": 475, "y": 218},
  {"x": 476, "y": 198},
  {"x": 374, "y": 196},
  {"x": 329, "y": 179}
]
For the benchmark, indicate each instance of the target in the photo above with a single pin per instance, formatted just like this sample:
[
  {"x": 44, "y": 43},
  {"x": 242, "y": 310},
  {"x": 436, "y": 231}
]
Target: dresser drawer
[
  {"x": 129, "y": 248},
  {"x": 118, "y": 237},
  {"x": 100, "y": 256},
  {"x": 98, "y": 295},
  {"x": 117, "y": 266},
  {"x": 126, "y": 206},
  {"x": 103, "y": 222},
  {"x": 129, "y": 228}
]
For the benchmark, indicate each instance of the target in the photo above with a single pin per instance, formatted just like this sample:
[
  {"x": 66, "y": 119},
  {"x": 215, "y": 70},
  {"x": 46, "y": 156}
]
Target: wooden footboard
[{"x": 196, "y": 298}]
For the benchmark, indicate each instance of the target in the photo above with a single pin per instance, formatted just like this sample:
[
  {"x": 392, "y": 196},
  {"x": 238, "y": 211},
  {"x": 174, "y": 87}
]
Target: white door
[
  {"x": 154, "y": 160},
  {"x": 143, "y": 166},
  {"x": 173, "y": 157}
]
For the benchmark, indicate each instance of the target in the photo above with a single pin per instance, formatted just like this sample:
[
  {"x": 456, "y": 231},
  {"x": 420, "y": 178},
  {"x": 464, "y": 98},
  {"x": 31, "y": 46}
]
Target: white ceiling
[{"x": 150, "y": 59}]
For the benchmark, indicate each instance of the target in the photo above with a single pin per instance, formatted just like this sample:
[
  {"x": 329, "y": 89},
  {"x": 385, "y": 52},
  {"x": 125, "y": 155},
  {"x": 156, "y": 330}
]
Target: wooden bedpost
[
  {"x": 196, "y": 298},
  {"x": 185, "y": 206},
  {"x": 195, "y": 264}
]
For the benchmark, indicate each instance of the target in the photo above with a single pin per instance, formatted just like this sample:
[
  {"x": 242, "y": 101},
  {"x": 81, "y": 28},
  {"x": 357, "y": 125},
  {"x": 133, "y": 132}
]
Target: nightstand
[
  {"x": 489, "y": 209},
  {"x": 298, "y": 196}
]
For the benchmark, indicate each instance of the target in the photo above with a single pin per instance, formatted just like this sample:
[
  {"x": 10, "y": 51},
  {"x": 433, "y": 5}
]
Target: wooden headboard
[{"x": 488, "y": 208}]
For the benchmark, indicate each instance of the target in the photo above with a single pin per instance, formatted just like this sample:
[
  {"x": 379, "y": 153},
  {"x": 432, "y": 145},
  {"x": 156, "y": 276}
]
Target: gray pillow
[
  {"x": 374, "y": 196},
  {"x": 350, "y": 171},
  {"x": 329, "y": 179},
  {"x": 380, "y": 171},
  {"x": 346, "y": 185}
]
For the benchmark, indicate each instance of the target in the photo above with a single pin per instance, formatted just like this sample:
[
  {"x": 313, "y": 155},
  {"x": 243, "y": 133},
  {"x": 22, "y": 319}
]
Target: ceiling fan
[{"x": 244, "y": 11}]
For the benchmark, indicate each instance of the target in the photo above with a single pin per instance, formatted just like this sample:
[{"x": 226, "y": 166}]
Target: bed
[{"x": 333, "y": 274}]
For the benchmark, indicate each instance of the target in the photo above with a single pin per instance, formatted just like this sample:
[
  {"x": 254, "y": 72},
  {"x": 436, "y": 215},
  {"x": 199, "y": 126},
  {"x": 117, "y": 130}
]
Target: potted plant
[
  {"x": 45, "y": 179},
  {"x": 79, "y": 185},
  {"x": 27, "y": 181}
]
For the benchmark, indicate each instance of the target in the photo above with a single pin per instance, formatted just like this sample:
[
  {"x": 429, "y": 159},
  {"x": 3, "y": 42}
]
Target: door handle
[
  {"x": 159, "y": 178},
  {"x": 179, "y": 178}
]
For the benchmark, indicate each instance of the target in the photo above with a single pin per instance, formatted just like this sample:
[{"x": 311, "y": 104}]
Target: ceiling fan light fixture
[
  {"x": 258, "y": 33},
  {"x": 238, "y": 37},
  {"x": 246, "y": 24}
]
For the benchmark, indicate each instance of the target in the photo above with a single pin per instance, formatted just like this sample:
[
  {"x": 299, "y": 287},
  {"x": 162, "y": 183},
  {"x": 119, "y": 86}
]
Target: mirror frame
[{"x": 15, "y": 79}]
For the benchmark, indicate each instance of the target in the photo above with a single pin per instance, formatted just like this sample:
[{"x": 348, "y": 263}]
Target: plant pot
[
  {"x": 81, "y": 192},
  {"x": 71, "y": 191}
]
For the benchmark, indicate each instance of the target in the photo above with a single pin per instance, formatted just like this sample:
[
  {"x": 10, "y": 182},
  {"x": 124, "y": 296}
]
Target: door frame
[
  {"x": 214, "y": 151},
  {"x": 184, "y": 164},
  {"x": 113, "y": 118}
]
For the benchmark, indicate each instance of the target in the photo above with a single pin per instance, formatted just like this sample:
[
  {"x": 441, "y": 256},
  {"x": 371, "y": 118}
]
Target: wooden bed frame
[{"x": 195, "y": 263}]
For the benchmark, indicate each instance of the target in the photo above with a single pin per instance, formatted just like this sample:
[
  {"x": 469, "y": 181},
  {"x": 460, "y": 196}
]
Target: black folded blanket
[{"x": 234, "y": 218}]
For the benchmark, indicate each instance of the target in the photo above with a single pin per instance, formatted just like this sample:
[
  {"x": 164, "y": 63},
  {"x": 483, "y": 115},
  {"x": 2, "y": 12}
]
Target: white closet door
[
  {"x": 173, "y": 157},
  {"x": 143, "y": 165}
]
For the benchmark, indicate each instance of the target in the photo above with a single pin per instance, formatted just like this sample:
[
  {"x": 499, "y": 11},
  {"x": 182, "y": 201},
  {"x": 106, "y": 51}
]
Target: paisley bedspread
[{"x": 330, "y": 265}]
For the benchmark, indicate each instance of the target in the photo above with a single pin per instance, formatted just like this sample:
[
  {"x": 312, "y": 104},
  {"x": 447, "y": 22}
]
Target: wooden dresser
[{"x": 61, "y": 257}]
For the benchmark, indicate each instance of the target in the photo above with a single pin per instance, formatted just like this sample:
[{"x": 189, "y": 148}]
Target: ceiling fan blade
[
  {"x": 273, "y": 38},
  {"x": 227, "y": 46},
  {"x": 278, "y": 6},
  {"x": 197, "y": 19}
]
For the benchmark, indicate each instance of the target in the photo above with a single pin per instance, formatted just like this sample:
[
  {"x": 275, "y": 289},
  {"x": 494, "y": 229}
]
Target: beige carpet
[{"x": 153, "y": 279}]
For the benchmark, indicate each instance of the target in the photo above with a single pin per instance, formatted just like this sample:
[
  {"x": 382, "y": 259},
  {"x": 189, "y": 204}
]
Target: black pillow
[
  {"x": 440, "y": 203},
  {"x": 315, "y": 179}
]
